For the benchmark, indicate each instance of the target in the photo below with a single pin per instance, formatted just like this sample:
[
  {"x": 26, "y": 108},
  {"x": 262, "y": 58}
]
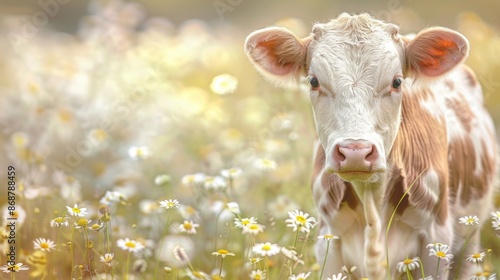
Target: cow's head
[{"x": 356, "y": 67}]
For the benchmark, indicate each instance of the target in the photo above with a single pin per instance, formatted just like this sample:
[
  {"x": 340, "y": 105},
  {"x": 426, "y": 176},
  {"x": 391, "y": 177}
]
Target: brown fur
[
  {"x": 420, "y": 145},
  {"x": 462, "y": 111}
]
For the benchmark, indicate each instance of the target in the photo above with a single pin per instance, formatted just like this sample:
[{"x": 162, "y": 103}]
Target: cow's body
[
  {"x": 446, "y": 145},
  {"x": 391, "y": 113}
]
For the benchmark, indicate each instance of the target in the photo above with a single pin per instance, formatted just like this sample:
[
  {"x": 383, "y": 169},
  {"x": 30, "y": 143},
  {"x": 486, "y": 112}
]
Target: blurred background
[{"x": 136, "y": 97}]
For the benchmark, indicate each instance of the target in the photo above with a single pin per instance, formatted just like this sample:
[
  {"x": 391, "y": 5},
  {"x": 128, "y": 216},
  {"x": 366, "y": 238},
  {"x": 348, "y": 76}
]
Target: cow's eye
[
  {"x": 396, "y": 83},
  {"x": 313, "y": 81}
]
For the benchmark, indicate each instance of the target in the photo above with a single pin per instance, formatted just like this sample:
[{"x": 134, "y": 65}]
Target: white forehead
[{"x": 355, "y": 49}]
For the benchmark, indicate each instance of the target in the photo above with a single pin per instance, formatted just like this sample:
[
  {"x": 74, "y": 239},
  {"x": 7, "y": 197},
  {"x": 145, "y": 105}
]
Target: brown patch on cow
[
  {"x": 319, "y": 163},
  {"x": 462, "y": 111},
  {"x": 420, "y": 145},
  {"x": 464, "y": 183},
  {"x": 470, "y": 76}
]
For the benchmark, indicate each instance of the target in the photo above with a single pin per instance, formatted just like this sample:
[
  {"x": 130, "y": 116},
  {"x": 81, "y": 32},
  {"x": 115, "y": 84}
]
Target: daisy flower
[
  {"x": 257, "y": 274},
  {"x": 231, "y": 173},
  {"x": 129, "y": 245},
  {"x": 265, "y": 164},
  {"x": 188, "y": 227},
  {"x": 138, "y": 153},
  {"x": 408, "y": 264},
  {"x": 233, "y": 207},
  {"x": 496, "y": 224},
  {"x": 96, "y": 226},
  {"x": 59, "y": 221},
  {"x": 170, "y": 204},
  {"x": 291, "y": 254},
  {"x": 44, "y": 244},
  {"x": 162, "y": 179},
  {"x": 337, "y": 277},
  {"x": 13, "y": 268},
  {"x": 193, "y": 274},
  {"x": 107, "y": 258},
  {"x": 110, "y": 197},
  {"x": 266, "y": 249},
  {"x": 192, "y": 179},
  {"x": 328, "y": 237},
  {"x": 254, "y": 260},
  {"x": 253, "y": 229},
  {"x": 223, "y": 253},
  {"x": 224, "y": 84},
  {"x": 476, "y": 258},
  {"x": 76, "y": 211},
  {"x": 469, "y": 220},
  {"x": 441, "y": 251},
  {"x": 214, "y": 183},
  {"x": 301, "y": 276},
  {"x": 495, "y": 215},
  {"x": 300, "y": 220},
  {"x": 241, "y": 223},
  {"x": 82, "y": 222}
]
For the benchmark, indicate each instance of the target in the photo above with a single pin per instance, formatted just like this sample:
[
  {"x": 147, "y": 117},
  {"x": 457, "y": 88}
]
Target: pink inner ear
[
  {"x": 437, "y": 51},
  {"x": 270, "y": 60},
  {"x": 277, "y": 52}
]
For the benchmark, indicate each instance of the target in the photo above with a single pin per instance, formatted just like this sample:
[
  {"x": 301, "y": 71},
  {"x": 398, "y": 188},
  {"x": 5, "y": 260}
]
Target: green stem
[
  {"x": 437, "y": 268},
  {"x": 422, "y": 268},
  {"x": 220, "y": 270},
  {"x": 324, "y": 260},
  {"x": 408, "y": 274},
  {"x": 463, "y": 252},
  {"x": 161, "y": 244},
  {"x": 295, "y": 238},
  {"x": 216, "y": 230},
  {"x": 127, "y": 267},
  {"x": 72, "y": 246},
  {"x": 267, "y": 267}
]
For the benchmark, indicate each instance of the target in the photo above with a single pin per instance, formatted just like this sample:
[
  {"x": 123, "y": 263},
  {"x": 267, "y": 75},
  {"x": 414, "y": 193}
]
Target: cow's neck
[{"x": 372, "y": 195}]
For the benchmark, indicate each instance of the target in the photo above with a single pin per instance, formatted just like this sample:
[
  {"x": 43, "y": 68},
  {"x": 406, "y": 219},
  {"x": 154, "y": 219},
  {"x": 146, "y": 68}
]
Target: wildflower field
[{"x": 139, "y": 148}]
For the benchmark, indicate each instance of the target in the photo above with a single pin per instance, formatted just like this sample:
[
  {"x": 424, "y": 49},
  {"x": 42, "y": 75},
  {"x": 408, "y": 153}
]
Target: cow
[{"x": 401, "y": 122}]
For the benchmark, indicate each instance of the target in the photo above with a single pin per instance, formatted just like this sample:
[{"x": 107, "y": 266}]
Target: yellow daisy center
[
  {"x": 223, "y": 252},
  {"x": 76, "y": 210},
  {"x": 82, "y": 222},
  {"x": 257, "y": 277},
  {"x": 198, "y": 274},
  {"x": 95, "y": 226},
  {"x": 407, "y": 261},
  {"x": 476, "y": 256},
  {"x": 188, "y": 226},
  {"x": 44, "y": 245},
  {"x": 328, "y": 236},
  {"x": 170, "y": 204},
  {"x": 130, "y": 244},
  {"x": 440, "y": 254},
  {"x": 58, "y": 220},
  {"x": 266, "y": 247},
  {"x": 245, "y": 222},
  {"x": 470, "y": 221},
  {"x": 253, "y": 227},
  {"x": 301, "y": 219}
]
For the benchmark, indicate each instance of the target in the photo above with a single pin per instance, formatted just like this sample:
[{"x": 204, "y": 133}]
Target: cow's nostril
[
  {"x": 338, "y": 156},
  {"x": 372, "y": 156}
]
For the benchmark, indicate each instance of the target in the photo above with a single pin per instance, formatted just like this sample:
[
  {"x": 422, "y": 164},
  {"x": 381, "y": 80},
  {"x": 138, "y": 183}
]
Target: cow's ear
[
  {"x": 277, "y": 54},
  {"x": 435, "y": 51}
]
